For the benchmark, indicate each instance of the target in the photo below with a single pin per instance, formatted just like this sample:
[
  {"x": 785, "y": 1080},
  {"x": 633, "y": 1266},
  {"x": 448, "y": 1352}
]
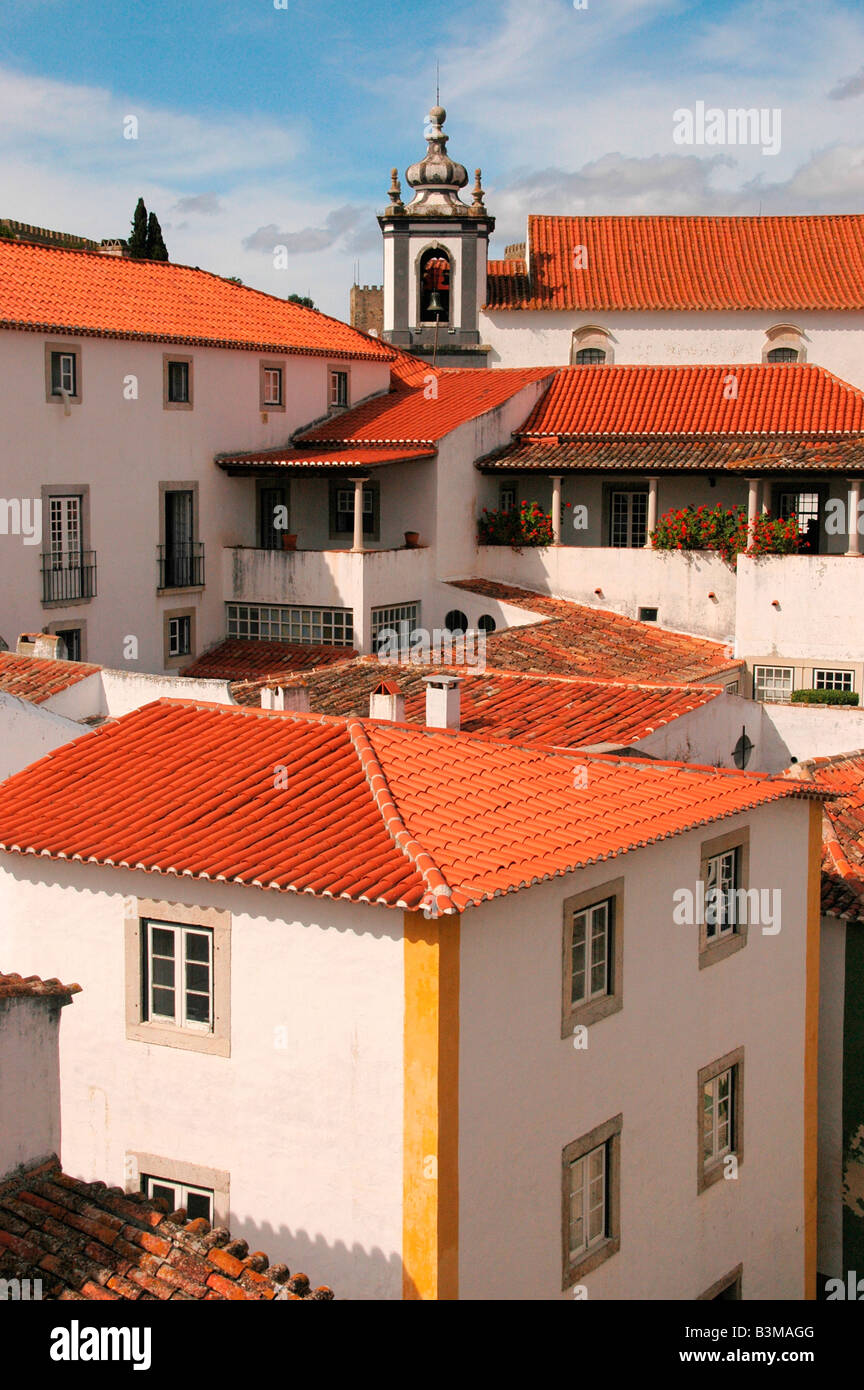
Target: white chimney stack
[
  {"x": 387, "y": 702},
  {"x": 292, "y": 697},
  {"x": 443, "y": 701}
]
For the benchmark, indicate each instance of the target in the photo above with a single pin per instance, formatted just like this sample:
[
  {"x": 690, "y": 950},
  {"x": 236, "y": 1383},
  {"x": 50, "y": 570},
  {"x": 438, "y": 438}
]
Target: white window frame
[
  {"x": 722, "y": 877},
  {"x": 826, "y": 678},
  {"x": 338, "y": 381},
  {"x": 403, "y": 618},
  {"x": 175, "y": 647},
  {"x": 68, "y": 372},
  {"x": 182, "y": 1191},
  {"x": 591, "y": 958},
  {"x": 718, "y": 1117},
  {"x": 636, "y": 527},
  {"x": 181, "y": 933},
  {"x": 273, "y": 375},
  {"x": 766, "y": 685},
  {"x": 587, "y": 1174},
  {"x": 507, "y": 498},
  {"x": 290, "y": 623}
]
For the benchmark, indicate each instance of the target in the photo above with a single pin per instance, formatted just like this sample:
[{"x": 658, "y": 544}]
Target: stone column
[
  {"x": 358, "y": 513},
  {"x": 752, "y": 500},
  {"x": 853, "y": 541},
  {"x": 556, "y": 510},
  {"x": 652, "y": 511}
]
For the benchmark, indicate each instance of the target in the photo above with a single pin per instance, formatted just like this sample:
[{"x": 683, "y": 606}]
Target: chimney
[
  {"x": 44, "y": 644},
  {"x": 291, "y": 697},
  {"x": 442, "y": 701},
  {"x": 29, "y": 1072},
  {"x": 387, "y": 702}
]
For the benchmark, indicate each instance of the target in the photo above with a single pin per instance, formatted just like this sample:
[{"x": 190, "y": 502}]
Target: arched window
[
  {"x": 589, "y": 357},
  {"x": 591, "y": 345},
  {"x": 456, "y": 621},
  {"x": 784, "y": 343},
  {"x": 486, "y": 623},
  {"x": 434, "y": 272}
]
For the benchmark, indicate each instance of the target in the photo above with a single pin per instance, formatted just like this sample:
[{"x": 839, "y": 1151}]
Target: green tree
[
  {"x": 138, "y": 239},
  {"x": 303, "y": 299},
  {"x": 156, "y": 249}
]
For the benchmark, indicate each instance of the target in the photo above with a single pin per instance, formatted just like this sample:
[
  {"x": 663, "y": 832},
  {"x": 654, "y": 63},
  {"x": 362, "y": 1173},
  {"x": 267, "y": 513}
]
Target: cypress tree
[
  {"x": 156, "y": 248},
  {"x": 138, "y": 239}
]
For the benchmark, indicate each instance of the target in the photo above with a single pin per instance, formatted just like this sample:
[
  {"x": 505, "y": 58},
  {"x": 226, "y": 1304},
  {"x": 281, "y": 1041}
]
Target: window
[
  {"x": 590, "y": 1200},
  {"x": 178, "y": 975},
  {"x": 72, "y": 641},
  {"x": 720, "y": 1093},
  {"x": 327, "y": 627},
  {"x": 196, "y": 1201},
  {"x": 784, "y": 343},
  {"x": 456, "y": 621},
  {"x": 589, "y": 357},
  {"x": 507, "y": 498},
  {"x": 272, "y": 516},
  {"x": 732, "y": 688},
  {"x": 342, "y": 510},
  {"x": 804, "y": 506},
  {"x": 591, "y": 345},
  {"x": 782, "y": 354},
  {"x": 401, "y": 618},
  {"x": 772, "y": 683},
  {"x": 180, "y": 635},
  {"x": 178, "y": 962},
  {"x": 68, "y": 570},
  {"x": 62, "y": 373},
  {"x": 271, "y": 386},
  {"x": 486, "y": 623},
  {"x": 647, "y": 615},
  {"x": 724, "y": 865},
  {"x": 833, "y": 680},
  {"x": 176, "y": 382},
  {"x": 592, "y": 956},
  {"x": 629, "y": 519},
  {"x": 338, "y": 389},
  {"x": 181, "y": 556}
]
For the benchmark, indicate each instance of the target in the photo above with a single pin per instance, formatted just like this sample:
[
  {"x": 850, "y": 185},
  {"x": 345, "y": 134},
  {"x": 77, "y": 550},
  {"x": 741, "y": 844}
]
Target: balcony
[
  {"x": 68, "y": 578},
  {"x": 181, "y": 566}
]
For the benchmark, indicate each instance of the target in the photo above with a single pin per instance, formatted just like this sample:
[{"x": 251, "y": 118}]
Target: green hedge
[{"x": 824, "y": 697}]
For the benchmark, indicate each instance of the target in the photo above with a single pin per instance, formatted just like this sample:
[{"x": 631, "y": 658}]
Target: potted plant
[{"x": 412, "y": 539}]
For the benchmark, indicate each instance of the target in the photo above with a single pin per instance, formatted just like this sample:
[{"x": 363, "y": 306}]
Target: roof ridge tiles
[{"x": 436, "y": 884}]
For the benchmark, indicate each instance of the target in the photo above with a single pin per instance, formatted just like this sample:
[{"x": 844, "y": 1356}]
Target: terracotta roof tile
[
  {"x": 576, "y": 640},
  {"x": 243, "y": 659},
  {"x": 777, "y": 263},
  {"x": 372, "y": 812},
  {"x": 741, "y": 454},
  {"x": 560, "y": 711},
  {"x": 842, "y": 830},
  {"x": 86, "y": 1240},
  {"x": 80, "y": 293},
  {"x": 788, "y": 398},
  {"x": 36, "y": 678},
  {"x": 32, "y": 987}
]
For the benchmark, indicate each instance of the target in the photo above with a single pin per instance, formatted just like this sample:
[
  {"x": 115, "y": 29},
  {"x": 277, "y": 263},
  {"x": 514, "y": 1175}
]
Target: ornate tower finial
[
  {"x": 478, "y": 195},
  {"x": 395, "y": 195}
]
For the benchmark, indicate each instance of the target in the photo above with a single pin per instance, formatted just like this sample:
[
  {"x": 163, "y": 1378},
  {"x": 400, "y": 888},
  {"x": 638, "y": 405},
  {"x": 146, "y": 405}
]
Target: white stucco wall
[
  {"x": 817, "y": 731},
  {"x": 708, "y": 735},
  {"x": 534, "y": 338},
  {"x": 818, "y": 613},
  {"x": 832, "y": 986},
  {"x": 29, "y": 1080},
  {"x": 525, "y": 1093},
  {"x": 140, "y": 444},
  {"x": 28, "y": 732},
  {"x": 309, "y": 1131}
]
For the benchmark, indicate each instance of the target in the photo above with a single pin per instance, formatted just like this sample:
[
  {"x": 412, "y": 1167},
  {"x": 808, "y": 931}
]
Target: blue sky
[{"x": 260, "y": 126}]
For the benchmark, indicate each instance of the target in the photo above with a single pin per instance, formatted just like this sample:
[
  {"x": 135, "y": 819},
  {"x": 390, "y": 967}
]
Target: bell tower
[{"x": 435, "y": 252}]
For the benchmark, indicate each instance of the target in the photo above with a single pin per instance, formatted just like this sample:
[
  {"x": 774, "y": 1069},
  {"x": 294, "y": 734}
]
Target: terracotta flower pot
[
  {"x": 288, "y": 542},
  {"x": 412, "y": 539}
]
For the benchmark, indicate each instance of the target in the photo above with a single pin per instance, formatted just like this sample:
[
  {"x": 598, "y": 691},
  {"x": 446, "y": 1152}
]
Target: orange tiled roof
[
  {"x": 370, "y": 812},
  {"x": 242, "y": 659},
  {"x": 772, "y": 399},
  {"x": 76, "y": 292},
  {"x": 777, "y": 263},
  {"x": 409, "y": 413},
  {"x": 576, "y": 640},
  {"x": 37, "y": 678},
  {"x": 32, "y": 987},
  {"x": 842, "y": 830},
  {"x": 658, "y": 454},
  {"x": 86, "y": 1241},
  {"x": 556, "y": 710}
]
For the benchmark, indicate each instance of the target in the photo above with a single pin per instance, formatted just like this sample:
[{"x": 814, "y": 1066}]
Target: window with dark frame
[
  {"x": 589, "y": 357},
  {"x": 338, "y": 388},
  {"x": 344, "y": 510},
  {"x": 178, "y": 383},
  {"x": 629, "y": 519},
  {"x": 72, "y": 640},
  {"x": 782, "y": 354},
  {"x": 270, "y": 502}
]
